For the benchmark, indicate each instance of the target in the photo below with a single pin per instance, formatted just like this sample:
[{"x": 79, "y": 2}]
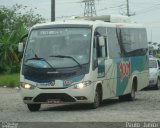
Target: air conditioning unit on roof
[{"x": 108, "y": 18}]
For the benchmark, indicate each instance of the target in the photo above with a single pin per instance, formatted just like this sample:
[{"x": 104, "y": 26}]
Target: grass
[{"x": 9, "y": 80}]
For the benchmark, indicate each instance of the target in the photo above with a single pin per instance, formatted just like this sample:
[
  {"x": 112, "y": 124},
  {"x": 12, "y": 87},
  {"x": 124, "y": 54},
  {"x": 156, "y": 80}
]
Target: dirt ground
[{"x": 146, "y": 107}]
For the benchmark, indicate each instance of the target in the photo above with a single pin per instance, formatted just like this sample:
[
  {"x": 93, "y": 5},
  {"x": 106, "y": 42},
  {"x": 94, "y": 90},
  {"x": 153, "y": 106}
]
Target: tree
[{"x": 13, "y": 25}]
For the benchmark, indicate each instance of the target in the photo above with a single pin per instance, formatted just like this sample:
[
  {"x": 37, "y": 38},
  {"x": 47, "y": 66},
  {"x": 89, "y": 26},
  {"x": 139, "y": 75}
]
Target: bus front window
[{"x": 59, "y": 47}]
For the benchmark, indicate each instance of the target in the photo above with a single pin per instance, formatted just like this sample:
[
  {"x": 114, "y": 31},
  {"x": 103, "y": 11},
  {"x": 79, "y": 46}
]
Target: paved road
[{"x": 145, "y": 108}]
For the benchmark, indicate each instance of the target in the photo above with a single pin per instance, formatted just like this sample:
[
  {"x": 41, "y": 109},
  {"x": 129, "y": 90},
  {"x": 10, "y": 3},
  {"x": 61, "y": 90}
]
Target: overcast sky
[{"x": 146, "y": 11}]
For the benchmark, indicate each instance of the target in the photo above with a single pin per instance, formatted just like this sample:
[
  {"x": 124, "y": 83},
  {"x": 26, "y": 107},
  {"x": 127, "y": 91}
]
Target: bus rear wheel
[
  {"x": 34, "y": 107},
  {"x": 129, "y": 97},
  {"x": 132, "y": 95}
]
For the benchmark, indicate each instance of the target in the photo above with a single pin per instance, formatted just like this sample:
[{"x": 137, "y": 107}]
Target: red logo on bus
[
  {"x": 125, "y": 69},
  {"x": 68, "y": 82}
]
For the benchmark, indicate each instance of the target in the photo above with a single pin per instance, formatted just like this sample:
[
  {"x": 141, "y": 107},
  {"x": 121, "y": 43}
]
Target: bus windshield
[{"x": 59, "y": 47}]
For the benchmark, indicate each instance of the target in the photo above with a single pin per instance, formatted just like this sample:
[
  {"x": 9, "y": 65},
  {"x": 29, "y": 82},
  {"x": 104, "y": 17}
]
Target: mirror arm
[{"x": 24, "y": 36}]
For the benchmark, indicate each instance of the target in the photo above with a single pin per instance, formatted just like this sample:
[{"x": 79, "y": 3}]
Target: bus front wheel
[
  {"x": 97, "y": 99},
  {"x": 34, "y": 107}
]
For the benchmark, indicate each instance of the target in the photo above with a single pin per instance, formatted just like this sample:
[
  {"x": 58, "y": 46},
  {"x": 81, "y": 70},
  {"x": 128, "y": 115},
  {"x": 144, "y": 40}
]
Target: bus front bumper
[{"x": 57, "y": 96}]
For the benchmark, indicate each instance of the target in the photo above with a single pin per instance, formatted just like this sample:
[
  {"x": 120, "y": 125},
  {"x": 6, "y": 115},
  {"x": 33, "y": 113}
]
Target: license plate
[
  {"x": 54, "y": 101},
  {"x": 50, "y": 84}
]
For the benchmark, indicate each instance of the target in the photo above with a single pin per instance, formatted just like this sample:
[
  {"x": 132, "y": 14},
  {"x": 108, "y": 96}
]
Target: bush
[
  {"x": 13, "y": 25},
  {"x": 9, "y": 80}
]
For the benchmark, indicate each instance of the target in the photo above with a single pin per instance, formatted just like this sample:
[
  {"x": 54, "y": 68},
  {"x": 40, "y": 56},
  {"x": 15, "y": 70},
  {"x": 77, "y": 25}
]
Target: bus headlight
[
  {"x": 27, "y": 86},
  {"x": 82, "y": 85}
]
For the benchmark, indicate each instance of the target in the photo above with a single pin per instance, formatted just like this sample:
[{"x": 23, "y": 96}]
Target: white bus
[{"x": 85, "y": 60}]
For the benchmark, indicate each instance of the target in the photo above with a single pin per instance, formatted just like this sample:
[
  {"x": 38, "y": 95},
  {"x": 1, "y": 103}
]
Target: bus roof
[{"x": 103, "y": 21}]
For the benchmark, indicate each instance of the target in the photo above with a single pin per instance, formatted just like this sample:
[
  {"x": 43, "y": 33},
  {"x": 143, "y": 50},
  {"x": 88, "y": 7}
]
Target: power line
[
  {"x": 152, "y": 6},
  {"x": 90, "y": 9},
  {"x": 111, "y": 7},
  {"x": 148, "y": 10}
]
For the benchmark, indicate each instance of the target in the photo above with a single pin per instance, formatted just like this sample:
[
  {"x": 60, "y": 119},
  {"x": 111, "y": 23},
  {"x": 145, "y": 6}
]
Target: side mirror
[
  {"x": 20, "y": 47},
  {"x": 101, "y": 41}
]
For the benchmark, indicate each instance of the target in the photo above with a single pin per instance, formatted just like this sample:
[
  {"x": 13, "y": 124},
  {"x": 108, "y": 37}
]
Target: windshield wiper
[
  {"x": 62, "y": 56},
  {"x": 37, "y": 58}
]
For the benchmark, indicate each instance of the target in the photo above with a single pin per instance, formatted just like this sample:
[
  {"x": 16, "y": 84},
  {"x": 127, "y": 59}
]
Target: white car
[{"x": 154, "y": 73}]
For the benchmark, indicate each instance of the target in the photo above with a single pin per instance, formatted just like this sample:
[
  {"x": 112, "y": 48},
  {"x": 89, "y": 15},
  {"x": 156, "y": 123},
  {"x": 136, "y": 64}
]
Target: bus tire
[
  {"x": 129, "y": 97},
  {"x": 158, "y": 84},
  {"x": 34, "y": 107},
  {"x": 97, "y": 99},
  {"x": 132, "y": 95}
]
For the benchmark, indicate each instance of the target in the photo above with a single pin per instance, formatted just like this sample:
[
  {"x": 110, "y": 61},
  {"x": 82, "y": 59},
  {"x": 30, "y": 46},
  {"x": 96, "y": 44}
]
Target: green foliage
[
  {"x": 11, "y": 80},
  {"x": 158, "y": 55},
  {"x": 14, "y": 24}
]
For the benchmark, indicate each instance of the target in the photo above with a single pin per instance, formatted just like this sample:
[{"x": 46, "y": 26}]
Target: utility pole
[
  {"x": 128, "y": 9},
  {"x": 52, "y": 10},
  {"x": 151, "y": 35},
  {"x": 89, "y": 9},
  {"x": 128, "y": 14}
]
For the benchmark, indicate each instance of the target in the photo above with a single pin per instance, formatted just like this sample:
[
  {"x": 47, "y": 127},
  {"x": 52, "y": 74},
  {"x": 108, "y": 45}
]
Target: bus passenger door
[
  {"x": 100, "y": 58},
  {"x": 101, "y": 54},
  {"x": 106, "y": 71}
]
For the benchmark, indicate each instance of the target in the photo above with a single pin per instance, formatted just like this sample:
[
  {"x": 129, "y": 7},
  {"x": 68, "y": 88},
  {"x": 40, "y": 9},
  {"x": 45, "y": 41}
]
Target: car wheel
[
  {"x": 34, "y": 107},
  {"x": 158, "y": 84}
]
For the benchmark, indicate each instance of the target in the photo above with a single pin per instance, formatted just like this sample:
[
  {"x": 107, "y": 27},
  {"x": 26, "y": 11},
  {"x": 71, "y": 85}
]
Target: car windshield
[
  {"x": 152, "y": 64},
  {"x": 59, "y": 47}
]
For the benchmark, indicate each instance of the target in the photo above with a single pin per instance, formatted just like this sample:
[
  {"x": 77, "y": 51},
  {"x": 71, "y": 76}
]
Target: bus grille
[{"x": 44, "y": 97}]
